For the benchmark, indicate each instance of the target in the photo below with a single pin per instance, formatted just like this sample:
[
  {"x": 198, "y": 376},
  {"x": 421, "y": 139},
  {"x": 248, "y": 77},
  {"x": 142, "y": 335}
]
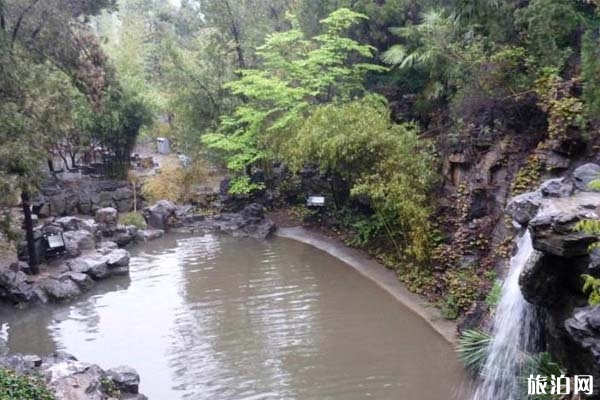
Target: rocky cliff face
[{"x": 554, "y": 282}]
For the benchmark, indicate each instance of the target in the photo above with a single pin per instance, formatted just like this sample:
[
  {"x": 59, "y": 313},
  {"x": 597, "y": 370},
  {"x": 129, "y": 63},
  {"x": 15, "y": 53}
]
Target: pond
[{"x": 213, "y": 317}]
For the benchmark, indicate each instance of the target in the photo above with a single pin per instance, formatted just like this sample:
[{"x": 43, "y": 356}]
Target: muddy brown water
[{"x": 215, "y": 317}]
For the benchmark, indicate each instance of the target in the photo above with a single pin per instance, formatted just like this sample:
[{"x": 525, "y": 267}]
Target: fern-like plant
[
  {"x": 591, "y": 287},
  {"x": 544, "y": 365}
]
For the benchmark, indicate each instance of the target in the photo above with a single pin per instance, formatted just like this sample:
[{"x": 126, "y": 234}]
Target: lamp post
[{"x": 33, "y": 258}]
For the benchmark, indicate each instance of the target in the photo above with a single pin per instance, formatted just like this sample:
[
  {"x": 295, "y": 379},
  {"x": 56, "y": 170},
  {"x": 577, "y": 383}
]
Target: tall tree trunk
[
  {"x": 73, "y": 156},
  {"x": 33, "y": 258},
  {"x": 64, "y": 158},
  {"x": 134, "y": 196},
  {"x": 235, "y": 32}
]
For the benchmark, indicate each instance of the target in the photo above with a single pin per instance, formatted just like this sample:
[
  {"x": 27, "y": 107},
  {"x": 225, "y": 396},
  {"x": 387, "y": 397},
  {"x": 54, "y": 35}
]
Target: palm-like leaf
[
  {"x": 472, "y": 348},
  {"x": 395, "y": 55}
]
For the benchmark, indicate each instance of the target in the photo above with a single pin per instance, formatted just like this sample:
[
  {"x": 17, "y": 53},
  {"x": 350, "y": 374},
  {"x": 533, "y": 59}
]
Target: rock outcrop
[
  {"x": 83, "y": 196},
  {"x": 91, "y": 255},
  {"x": 553, "y": 281},
  {"x": 160, "y": 215},
  {"x": 250, "y": 222},
  {"x": 583, "y": 329},
  {"x": 71, "y": 379},
  {"x": 63, "y": 279}
]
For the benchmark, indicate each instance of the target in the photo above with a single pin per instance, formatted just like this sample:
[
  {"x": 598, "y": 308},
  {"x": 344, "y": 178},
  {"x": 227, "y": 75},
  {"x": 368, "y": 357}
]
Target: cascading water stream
[{"x": 514, "y": 333}]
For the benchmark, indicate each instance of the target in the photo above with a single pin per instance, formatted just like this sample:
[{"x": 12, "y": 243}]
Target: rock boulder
[
  {"x": 585, "y": 174},
  {"x": 61, "y": 288},
  {"x": 250, "y": 222},
  {"x": 94, "y": 266},
  {"x": 158, "y": 215},
  {"x": 524, "y": 207},
  {"x": 78, "y": 241},
  {"x": 552, "y": 228},
  {"x": 107, "y": 217},
  {"x": 584, "y": 341},
  {"x": 125, "y": 378},
  {"x": 70, "y": 379}
]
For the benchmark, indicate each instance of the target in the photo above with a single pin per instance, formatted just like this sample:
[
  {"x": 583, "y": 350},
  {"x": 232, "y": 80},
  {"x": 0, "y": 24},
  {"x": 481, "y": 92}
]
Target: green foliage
[
  {"x": 22, "y": 387},
  {"x": 420, "y": 280},
  {"x": 432, "y": 45},
  {"x": 548, "y": 27},
  {"x": 428, "y": 43},
  {"x": 541, "y": 364},
  {"x": 132, "y": 218},
  {"x": 383, "y": 161},
  {"x": 472, "y": 349},
  {"x": 367, "y": 229},
  {"x": 463, "y": 287},
  {"x": 565, "y": 111},
  {"x": 591, "y": 287},
  {"x": 493, "y": 296},
  {"x": 116, "y": 127},
  {"x": 590, "y": 226},
  {"x": 109, "y": 387},
  {"x": 529, "y": 175},
  {"x": 296, "y": 73},
  {"x": 243, "y": 186},
  {"x": 590, "y": 72},
  {"x": 51, "y": 74}
]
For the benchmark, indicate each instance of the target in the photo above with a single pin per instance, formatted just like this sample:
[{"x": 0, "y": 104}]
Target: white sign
[{"x": 316, "y": 201}]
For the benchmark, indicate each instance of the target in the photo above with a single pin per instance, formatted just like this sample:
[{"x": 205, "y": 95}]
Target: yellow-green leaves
[
  {"x": 591, "y": 287},
  {"x": 385, "y": 162},
  {"x": 296, "y": 74}
]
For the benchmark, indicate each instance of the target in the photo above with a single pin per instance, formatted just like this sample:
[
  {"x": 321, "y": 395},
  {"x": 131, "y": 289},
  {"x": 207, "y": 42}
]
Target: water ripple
[{"x": 234, "y": 319}]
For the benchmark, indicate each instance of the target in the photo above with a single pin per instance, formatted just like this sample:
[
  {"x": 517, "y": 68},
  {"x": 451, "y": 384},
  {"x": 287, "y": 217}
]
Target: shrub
[
  {"x": 493, "y": 296},
  {"x": 542, "y": 364},
  {"x": 133, "y": 218},
  {"x": 529, "y": 176},
  {"x": 22, "y": 387},
  {"x": 591, "y": 287},
  {"x": 463, "y": 286},
  {"x": 386, "y": 163},
  {"x": 174, "y": 182},
  {"x": 590, "y": 70},
  {"x": 566, "y": 112},
  {"x": 472, "y": 348}
]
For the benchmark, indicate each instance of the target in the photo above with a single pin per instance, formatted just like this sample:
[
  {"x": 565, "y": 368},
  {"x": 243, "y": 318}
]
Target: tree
[
  {"x": 117, "y": 127},
  {"x": 39, "y": 39},
  {"x": 296, "y": 73},
  {"x": 590, "y": 70},
  {"x": 384, "y": 162},
  {"x": 550, "y": 29},
  {"x": 433, "y": 45}
]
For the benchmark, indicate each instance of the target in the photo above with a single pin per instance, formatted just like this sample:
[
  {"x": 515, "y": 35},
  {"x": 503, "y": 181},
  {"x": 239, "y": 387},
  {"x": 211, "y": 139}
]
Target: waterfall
[{"x": 514, "y": 333}]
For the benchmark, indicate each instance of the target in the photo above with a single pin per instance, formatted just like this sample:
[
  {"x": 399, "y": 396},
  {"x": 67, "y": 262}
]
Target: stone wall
[{"x": 83, "y": 196}]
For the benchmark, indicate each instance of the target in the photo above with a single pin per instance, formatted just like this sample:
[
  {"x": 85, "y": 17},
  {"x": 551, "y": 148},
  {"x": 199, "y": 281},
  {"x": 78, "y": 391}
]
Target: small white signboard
[{"x": 316, "y": 201}]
